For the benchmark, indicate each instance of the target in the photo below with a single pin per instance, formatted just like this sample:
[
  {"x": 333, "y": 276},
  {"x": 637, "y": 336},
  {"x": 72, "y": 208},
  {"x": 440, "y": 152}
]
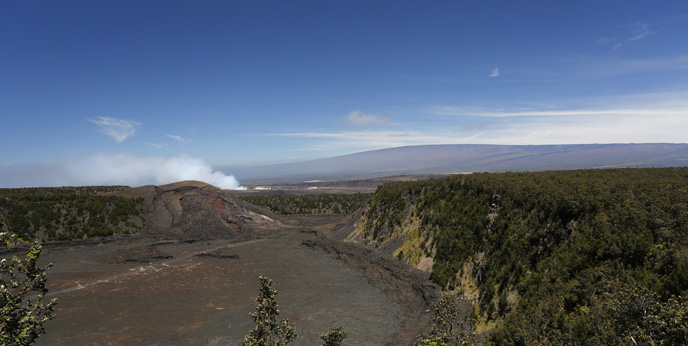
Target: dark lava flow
[{"x": 146, "y": 292}]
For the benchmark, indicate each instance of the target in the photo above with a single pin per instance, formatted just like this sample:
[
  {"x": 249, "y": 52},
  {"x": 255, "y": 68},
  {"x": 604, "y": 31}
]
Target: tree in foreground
[
  {"x": 22, "y": 289},
  {"x": 451, "y": 326},
  {"x": 269, "y": 331}
]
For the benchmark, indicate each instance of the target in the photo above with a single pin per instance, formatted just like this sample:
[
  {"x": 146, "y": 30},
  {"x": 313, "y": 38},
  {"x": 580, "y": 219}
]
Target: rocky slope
[{"x": 196, "y": 210}]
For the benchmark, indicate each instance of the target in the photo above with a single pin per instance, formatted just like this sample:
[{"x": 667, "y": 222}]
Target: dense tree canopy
[
  {"x": 340, "y": 204},
  {"x": 550, "y": 253},
  {"x": 65, "y": 213}
]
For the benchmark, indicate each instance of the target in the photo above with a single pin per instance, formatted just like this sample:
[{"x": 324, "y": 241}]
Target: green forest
[
  {"x": 591, "y": 257},
  {"x": 340, "y": 204},
  {"x": 66, "y": 213}
]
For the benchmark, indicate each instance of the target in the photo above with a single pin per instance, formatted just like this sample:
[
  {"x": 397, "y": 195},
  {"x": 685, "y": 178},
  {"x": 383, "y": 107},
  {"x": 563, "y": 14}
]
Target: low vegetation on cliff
[{"x": 567, "y": 257}]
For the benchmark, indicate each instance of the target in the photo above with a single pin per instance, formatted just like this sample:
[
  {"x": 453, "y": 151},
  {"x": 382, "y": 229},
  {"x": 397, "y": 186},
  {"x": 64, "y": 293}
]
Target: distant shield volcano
[{"x": 458, "y": 158}]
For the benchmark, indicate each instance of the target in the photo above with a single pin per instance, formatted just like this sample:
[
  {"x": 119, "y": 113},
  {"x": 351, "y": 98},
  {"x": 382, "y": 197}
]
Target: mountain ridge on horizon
[{"x": 463, "y": 158}]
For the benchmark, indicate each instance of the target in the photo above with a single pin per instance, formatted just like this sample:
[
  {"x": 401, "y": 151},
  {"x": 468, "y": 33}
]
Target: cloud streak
[
  {"x": 639, "y": 32},
  {"x": 643, "y": 118},
  {"x": 494, "y": 73},
  {"x": 177, "y": 138},
  {"x": 633, "y": 32},
  {"x": 366, "y": 140},
  {"x": 156, "y": 145},
  {"x": 522, "y": 128},
  {"x": 359, "y": 119},
  {"x": 621, "y": 112},
  {"x": 118, "y": 129}
]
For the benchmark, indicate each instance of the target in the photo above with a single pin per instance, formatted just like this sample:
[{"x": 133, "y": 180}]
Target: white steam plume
[
  {"x": 136, "y": 170},
  {"x": 117, "y": 169}
]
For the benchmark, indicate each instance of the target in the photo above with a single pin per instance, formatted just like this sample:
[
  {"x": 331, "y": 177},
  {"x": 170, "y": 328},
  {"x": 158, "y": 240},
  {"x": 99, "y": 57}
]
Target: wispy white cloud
[
  {"x": 495, "y": 72},
  {"x": 177, "y": 138},
  {"x": 638, "y": 31},
  {"x": 118, "y": 129},
  {"x": 630, "y": 33},
  {"x": 644, "y": 118},
  {"x": 359, "y": 119},
  {"x": 365, "y": 140},
  {"x": 562, "y": 113}
]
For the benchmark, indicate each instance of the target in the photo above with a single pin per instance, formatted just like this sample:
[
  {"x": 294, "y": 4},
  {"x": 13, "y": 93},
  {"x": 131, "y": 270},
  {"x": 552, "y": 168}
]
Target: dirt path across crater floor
[{"x": 152, "y": 292}]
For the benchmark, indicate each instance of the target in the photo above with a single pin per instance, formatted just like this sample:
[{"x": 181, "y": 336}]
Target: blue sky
[{"x": 247, "y": 82}]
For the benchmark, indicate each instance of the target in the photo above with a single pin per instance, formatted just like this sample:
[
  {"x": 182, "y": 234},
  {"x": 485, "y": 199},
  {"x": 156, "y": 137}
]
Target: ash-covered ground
[{"x": 181, "y": 292}]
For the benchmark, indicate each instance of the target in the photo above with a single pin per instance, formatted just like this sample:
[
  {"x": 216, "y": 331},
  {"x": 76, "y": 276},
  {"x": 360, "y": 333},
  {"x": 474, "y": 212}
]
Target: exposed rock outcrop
[{"x": 196, "y": 210}]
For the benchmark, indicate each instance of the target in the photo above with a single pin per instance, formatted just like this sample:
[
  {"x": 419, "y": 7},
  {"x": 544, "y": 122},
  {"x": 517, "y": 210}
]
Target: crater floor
[{"x": 152, "y": 292}]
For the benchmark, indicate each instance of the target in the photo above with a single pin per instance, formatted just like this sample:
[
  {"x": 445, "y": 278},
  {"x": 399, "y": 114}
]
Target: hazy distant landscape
[{"x": 451, "y": 159}]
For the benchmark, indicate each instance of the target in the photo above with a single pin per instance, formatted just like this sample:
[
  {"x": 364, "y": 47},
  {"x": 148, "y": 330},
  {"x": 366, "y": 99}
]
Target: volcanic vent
[{"x": 195, "y": 210}]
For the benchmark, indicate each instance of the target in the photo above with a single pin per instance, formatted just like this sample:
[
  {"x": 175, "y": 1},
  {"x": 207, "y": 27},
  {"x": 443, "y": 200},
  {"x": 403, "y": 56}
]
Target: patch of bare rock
[
  {"x": 196, "y": 210},
  {"x": 409, "y": 287}
]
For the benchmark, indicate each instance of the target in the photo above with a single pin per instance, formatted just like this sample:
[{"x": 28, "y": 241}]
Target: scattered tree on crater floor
[
  {"x": 271, "y": 331},
  {"x": 333, "y": 337}
]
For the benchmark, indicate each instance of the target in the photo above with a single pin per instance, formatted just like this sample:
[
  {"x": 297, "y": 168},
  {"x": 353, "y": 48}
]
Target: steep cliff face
[
  {"x": 553, "y": 249},
  {"x": 390, "y": 222},
  {"x": 196, "y": 210}
]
